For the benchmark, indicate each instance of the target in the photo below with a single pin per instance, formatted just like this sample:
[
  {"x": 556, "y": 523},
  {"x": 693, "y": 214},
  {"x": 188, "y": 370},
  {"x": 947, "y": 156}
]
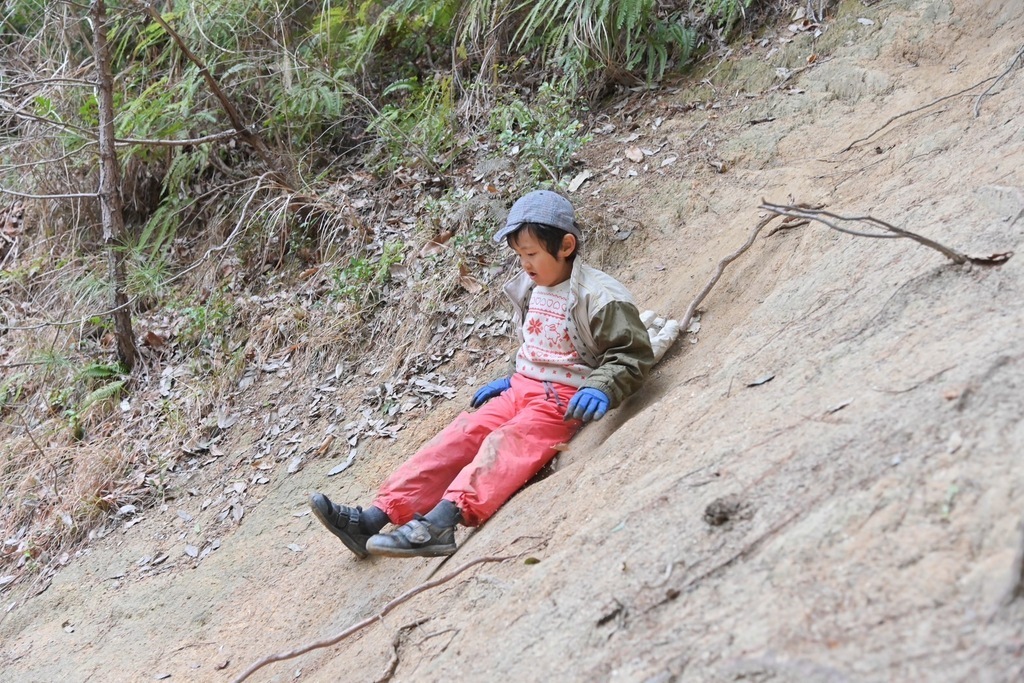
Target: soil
[{"x": 869, "y": 494}]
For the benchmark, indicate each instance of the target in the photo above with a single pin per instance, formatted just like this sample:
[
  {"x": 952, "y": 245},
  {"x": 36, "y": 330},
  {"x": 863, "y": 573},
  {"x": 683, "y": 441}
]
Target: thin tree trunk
[{"x": 111, "y": 201}]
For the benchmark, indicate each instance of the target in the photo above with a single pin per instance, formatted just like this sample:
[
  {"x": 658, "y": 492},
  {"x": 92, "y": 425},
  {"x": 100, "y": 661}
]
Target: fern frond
[{"x": 104, "y": 393}]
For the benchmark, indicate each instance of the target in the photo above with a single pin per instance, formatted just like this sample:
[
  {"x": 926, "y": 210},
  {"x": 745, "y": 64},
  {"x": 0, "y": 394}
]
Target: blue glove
[
  {"x": 587, "y": 404},
  {"x": 489, "y": 391}
]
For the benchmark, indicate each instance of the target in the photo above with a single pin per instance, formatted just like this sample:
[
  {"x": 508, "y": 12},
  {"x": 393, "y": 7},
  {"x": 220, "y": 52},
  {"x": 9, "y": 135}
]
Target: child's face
[{"x": 539, "y": 264}]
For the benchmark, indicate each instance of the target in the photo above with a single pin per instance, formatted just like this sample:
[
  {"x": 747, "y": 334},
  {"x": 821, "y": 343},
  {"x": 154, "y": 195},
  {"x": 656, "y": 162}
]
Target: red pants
[{"x": 482, "y": 458}]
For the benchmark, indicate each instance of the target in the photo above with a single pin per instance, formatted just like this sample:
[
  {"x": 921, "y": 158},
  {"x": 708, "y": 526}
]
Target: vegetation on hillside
[{"x": 264, "y": 150}]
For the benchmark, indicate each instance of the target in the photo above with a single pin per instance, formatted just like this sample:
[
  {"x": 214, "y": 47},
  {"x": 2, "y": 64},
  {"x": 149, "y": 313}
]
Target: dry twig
[
  {"x": 333, "y": 640},
  {"x": 912, "y": 111},
  {"x": 1013, "y": 63},
  {"x": 891, "y": 232},
  {"x": 787, "y": 224},
  {"x": 396, "y": 642},
  {"x": 685, "y": 322}
]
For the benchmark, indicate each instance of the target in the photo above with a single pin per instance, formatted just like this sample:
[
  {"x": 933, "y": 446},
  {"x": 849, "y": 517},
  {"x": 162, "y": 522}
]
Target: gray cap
[{"x": 544, "y": 207}]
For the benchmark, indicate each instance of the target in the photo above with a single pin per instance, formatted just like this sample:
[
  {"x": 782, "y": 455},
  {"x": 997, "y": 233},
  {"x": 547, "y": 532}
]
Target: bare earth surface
[{"x": 869, "y": 494}]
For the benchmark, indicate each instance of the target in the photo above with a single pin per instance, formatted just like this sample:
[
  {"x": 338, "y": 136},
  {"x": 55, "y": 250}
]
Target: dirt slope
[{"x": 875, "y": 478}]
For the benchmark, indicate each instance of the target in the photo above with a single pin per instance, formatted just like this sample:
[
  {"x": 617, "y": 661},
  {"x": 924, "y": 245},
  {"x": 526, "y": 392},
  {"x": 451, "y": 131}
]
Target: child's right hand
[
  {"x": 587, "y": 404},
  {"x": 489, "y": 391}
]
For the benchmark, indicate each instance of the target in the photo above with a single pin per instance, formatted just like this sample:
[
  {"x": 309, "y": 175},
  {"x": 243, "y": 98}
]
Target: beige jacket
[{"x": 604, "y": 326}]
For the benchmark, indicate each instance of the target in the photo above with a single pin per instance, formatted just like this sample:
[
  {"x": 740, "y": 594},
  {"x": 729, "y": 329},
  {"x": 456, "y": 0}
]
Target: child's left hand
[{"x": 587, "y": 404}]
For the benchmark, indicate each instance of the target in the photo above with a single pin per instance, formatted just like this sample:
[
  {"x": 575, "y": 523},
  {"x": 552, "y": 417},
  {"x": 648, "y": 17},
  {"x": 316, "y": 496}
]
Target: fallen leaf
[
  {"x": 991, "y": 259},
  {"x": 338, "y": 469},
  {"x": 839, "y": 406},
  {"x": 667, "y": 161},
  {"x": 634, "y": 154},
  {"x": 956, "y": 440},
  {"x": 468, "y": 282},
  {"x": 581, "y": 177},
  {"x": 324, "y": 447},
  {"x": 191, "y": 551},
  {"x": 436, "y": 245},
  {"x": 761, "y": 380},
  {"x": 153, "y": 339},
  {"x": 295, "y": 547},
  {"x": 295, "y": 465},
  {"x": 225, "y": 419},
  {"x": 865, "y": 21}
]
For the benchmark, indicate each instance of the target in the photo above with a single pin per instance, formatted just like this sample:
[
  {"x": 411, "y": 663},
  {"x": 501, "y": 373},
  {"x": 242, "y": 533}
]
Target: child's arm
[{"x": 625, "y": 357}]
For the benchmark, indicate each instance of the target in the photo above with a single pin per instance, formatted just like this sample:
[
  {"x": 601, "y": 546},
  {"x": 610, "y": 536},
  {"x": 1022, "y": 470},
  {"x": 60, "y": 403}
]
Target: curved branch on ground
[
  {"x": 333, "y": 640},
  {"x": 1013, "y": 63},
  {"x": 822, "y": 216},
  {"x": 684, "y": 324}
]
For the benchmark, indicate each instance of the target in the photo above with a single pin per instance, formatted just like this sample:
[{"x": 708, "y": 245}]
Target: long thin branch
[
  {"x": 75, "y": 195},
  {"x": 68, "y": 127},
  {"x": 47, "y": 81},
  {"x": 42, "y": 162},
  {"x": 229, "y": 108},
  {"x": 223, "y": 135},
  {"x": 214, "y": 137},
  {"x": 912, "y": 111},
  {"x": 816, "y": 215},
  {"x": 685, "y": 322},
  {"x": 1013, "y": 63},
  {"x": 333, "y": 640}
]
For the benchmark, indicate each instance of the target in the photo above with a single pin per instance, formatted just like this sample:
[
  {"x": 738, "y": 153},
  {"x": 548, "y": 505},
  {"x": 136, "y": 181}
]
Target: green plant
[
  {"x": 726, "y": 11},
  {"x": 363, "y": 279},
  {"x": 93, "y": 385},
  {"x": 545, "y": 133},
  {"x": 419, "y": 123},
  {"x": 610, "y": 36},
  {"x": 12, "y": 389},
  {"x": 202, "y": 321},
  {"x": 306, "y": 106}
]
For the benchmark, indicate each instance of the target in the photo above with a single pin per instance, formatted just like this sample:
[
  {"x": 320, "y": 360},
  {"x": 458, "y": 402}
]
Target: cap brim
[{"x": 505, "y": 232}]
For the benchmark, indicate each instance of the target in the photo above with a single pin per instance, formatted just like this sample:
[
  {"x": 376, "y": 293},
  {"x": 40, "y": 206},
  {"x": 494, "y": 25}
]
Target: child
[{"x": 584, "y": 350}]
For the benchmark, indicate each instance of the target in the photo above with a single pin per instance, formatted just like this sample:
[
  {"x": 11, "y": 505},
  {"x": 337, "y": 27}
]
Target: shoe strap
[
  {"x": 417, "y": 531},
  {"x": 353, "y": 518}
]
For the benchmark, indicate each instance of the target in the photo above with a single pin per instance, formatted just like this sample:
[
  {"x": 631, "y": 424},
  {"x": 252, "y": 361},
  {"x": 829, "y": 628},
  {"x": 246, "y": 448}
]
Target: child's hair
[{"x": 547, "y": 235}]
